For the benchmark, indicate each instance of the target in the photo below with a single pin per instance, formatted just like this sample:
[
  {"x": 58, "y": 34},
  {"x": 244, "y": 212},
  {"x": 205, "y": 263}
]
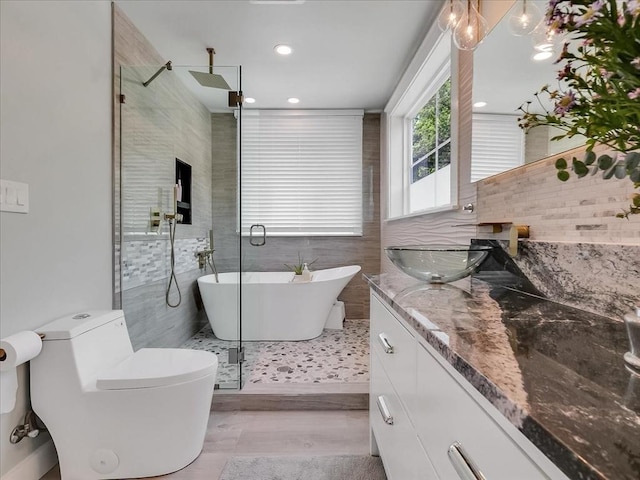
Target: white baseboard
[{"x": 35, "y": 465}]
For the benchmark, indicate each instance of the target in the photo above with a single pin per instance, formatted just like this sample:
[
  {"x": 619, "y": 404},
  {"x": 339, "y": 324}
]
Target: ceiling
[{"x": 346, "y": 54}]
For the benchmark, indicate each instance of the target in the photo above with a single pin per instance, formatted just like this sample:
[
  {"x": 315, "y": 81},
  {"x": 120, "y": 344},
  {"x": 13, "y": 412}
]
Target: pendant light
[
  {"x": 524, "y": 18},
  {"x": 450, "y": 15},
  {"x": 471, "y": 29},
  {"x": 546, "y": 39}
]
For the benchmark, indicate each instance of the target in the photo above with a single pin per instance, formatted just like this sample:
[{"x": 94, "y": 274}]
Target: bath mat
[{"x": 344, "y": 467}]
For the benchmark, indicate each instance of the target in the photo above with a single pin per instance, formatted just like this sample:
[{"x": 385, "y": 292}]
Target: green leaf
[
  {"x": 632, "y": 160},
  {"x": 589, "y": 158},
  {"x": 580, "y": 168},
  {"x": 609, "y": 173},
  {"x": 561, "y": 164},
  {"x": 605, "y": 162},
  {"x": 636, "y": 201},
  {"x": 563, "y": 175}
]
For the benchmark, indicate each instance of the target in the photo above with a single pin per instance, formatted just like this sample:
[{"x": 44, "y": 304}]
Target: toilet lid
[{"x": 156, "y": 367}]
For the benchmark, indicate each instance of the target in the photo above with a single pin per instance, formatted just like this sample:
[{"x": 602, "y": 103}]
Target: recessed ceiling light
[
  {"x": 293, "y": 100},
  {"x": 542, "y": 55},
  {"x": 283, "y": 49},
  {"x": 250, "y": 100},
  {"x": 480, "y": 104}
]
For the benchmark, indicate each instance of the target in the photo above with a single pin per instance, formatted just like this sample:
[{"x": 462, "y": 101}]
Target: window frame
[{"x": 435, "y": 58}]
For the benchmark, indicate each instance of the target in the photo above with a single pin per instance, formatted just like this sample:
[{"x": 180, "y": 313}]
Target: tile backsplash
[{"x": 599, "y": 278}]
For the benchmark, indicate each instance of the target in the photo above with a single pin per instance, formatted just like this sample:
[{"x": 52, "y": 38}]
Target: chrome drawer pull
[
  {"x": 384, "y": 411},
  {"x": 464, "y": 466},
  {"x": 388, "y": 348}
]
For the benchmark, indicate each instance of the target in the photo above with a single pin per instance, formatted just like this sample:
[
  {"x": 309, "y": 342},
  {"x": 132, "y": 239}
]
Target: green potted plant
[
  {"x": 598, "y": 94},
  {"x": 298, "y": 267}
]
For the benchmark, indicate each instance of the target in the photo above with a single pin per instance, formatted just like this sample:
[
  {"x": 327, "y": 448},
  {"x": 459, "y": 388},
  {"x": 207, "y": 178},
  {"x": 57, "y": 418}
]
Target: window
[
  {"x": 301, "y": 172},
  {"x": 431, "y": 135},
  {"x": 420, "y": 127}
]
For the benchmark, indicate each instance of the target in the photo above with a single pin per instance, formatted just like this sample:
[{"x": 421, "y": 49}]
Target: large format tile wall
[
  {"x": 160, "y": 122},
  {"x": 330, "y": 251}
]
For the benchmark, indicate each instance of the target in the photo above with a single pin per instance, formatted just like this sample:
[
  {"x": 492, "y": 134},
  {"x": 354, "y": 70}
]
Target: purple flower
[
  {"x": 590, "y": 15},
  {"x": 565, "y": 72},
  {"x": 633, "y": 94},
  {"x": 604, "y": 73},
  {"x": 566, "y": 103},
  {"x": 633, "y": 8}
]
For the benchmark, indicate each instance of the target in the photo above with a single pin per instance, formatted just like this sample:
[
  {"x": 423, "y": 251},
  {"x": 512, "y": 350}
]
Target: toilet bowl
[{"x": 113, "y": 413}]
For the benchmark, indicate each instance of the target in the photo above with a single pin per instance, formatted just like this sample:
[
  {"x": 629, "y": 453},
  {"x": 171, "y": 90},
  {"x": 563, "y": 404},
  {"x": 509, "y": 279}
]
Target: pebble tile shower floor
[{"x": 336, "y": 356}]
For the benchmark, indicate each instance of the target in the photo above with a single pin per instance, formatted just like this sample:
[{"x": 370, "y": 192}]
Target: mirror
[{"x": 506, "y": 75}]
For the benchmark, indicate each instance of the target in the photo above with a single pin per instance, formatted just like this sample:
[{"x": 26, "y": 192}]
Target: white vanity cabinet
[
  {"x": 393, "y": 374},
  {"x": 441, "y": 427}
]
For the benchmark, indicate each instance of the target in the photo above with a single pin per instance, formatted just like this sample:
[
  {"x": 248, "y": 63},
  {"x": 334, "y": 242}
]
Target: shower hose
[{"x": 172, "y": 278}]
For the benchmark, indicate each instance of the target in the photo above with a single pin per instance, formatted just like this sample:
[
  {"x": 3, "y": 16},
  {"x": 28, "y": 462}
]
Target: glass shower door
[{"x": 173, "y": 125}]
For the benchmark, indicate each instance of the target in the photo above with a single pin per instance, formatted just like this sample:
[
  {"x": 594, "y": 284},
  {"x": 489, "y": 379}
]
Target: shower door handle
[{"x": 261, "y": 240}]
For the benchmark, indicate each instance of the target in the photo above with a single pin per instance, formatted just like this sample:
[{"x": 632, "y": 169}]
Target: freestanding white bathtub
[{"x": 273, "y": 307}]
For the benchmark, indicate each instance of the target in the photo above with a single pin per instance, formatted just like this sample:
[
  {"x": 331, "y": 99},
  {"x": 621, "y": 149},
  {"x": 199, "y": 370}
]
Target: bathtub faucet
[{"x": 204, "y": 257}]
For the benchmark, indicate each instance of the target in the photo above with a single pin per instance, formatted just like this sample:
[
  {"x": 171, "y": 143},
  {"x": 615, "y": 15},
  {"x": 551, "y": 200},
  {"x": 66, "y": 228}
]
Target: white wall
[{"x": 55, "y": 135}]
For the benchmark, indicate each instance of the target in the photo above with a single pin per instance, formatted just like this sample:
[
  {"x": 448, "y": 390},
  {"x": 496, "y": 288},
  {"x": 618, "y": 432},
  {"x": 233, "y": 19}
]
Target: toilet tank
[{"x": 77, "y": 347}]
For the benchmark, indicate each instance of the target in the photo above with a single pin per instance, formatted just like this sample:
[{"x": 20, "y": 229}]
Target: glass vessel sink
[{"x": 438, "y": 263}]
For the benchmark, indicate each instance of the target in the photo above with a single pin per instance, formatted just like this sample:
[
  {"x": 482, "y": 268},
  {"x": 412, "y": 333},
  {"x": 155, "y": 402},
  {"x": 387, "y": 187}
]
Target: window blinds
[
  {"x": 497, "y": 145},
  {"x": 301, "y": 172}
]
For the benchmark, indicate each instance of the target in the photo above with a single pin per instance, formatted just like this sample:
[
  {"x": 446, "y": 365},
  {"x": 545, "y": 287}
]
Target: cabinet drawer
[
  {"x": 448, "y": 414},
  {"x": 401, "y": 452},
  {"x": 399, "y": 361}
]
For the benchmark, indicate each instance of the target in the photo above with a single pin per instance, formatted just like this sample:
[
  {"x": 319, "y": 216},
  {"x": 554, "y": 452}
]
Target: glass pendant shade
[
  {"x": 450, "y": 14},
  {"x": 545, "y": 39},
  {"x": 524, "y": 18},
  {"x": 471, "y": 29}
]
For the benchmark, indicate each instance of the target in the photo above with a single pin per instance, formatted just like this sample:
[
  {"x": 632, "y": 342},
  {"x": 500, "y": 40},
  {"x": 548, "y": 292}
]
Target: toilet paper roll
[
  {"x": 19, "y": 348},
  {"x": 15, "y": 350}
]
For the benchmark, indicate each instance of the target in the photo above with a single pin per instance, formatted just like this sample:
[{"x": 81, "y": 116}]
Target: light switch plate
[{"x": 14, "y": 197}]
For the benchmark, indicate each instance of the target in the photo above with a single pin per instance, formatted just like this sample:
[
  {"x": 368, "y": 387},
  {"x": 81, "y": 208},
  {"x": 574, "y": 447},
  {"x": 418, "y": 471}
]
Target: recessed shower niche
[{"x": 183, "y": 191}]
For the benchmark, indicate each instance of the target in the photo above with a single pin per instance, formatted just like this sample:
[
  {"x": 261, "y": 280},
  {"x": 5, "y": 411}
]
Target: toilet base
[{"x": 154, "y": 440}]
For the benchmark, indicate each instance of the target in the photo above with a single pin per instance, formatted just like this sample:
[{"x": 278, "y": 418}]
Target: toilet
[{"x": 114, "y": 413}]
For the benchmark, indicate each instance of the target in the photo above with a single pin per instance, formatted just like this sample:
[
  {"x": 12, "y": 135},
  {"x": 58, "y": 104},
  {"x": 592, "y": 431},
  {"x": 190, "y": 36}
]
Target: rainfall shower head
[
  {"x": 166, "y": 65},
  {"x": 210, "y": 79}
]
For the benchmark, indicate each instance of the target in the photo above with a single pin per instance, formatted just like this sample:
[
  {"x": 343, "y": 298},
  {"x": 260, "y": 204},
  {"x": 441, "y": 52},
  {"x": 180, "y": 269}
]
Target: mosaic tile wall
[
  {"x": 579, "y": 211},
  {"x": 146, "y": 261}
]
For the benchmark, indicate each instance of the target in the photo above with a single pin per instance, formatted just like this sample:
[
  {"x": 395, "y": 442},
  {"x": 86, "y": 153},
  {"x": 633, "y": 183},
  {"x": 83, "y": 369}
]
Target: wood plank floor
[{"x": 264, "y": 433}]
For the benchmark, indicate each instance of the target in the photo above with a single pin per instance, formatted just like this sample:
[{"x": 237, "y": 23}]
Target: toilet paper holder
[{"x": 3, "y": 354}]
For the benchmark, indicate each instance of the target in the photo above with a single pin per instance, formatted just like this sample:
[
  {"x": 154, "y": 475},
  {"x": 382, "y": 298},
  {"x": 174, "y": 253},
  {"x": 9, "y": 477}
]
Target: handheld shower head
[{"x": 210, "y": 80}]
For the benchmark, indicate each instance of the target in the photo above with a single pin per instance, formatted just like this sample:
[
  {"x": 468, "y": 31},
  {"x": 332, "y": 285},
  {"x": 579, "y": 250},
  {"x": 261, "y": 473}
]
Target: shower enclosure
[{"x": 179, "y": 158}]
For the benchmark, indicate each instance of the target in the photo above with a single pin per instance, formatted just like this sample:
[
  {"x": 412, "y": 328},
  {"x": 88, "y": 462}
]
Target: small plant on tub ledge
[
  {"x": 298, "y": 267},
  {"x": 599, "y": 88}
]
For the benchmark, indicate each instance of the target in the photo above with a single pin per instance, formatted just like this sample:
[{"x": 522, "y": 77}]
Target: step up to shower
[{"x": 338, "y": 396}]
